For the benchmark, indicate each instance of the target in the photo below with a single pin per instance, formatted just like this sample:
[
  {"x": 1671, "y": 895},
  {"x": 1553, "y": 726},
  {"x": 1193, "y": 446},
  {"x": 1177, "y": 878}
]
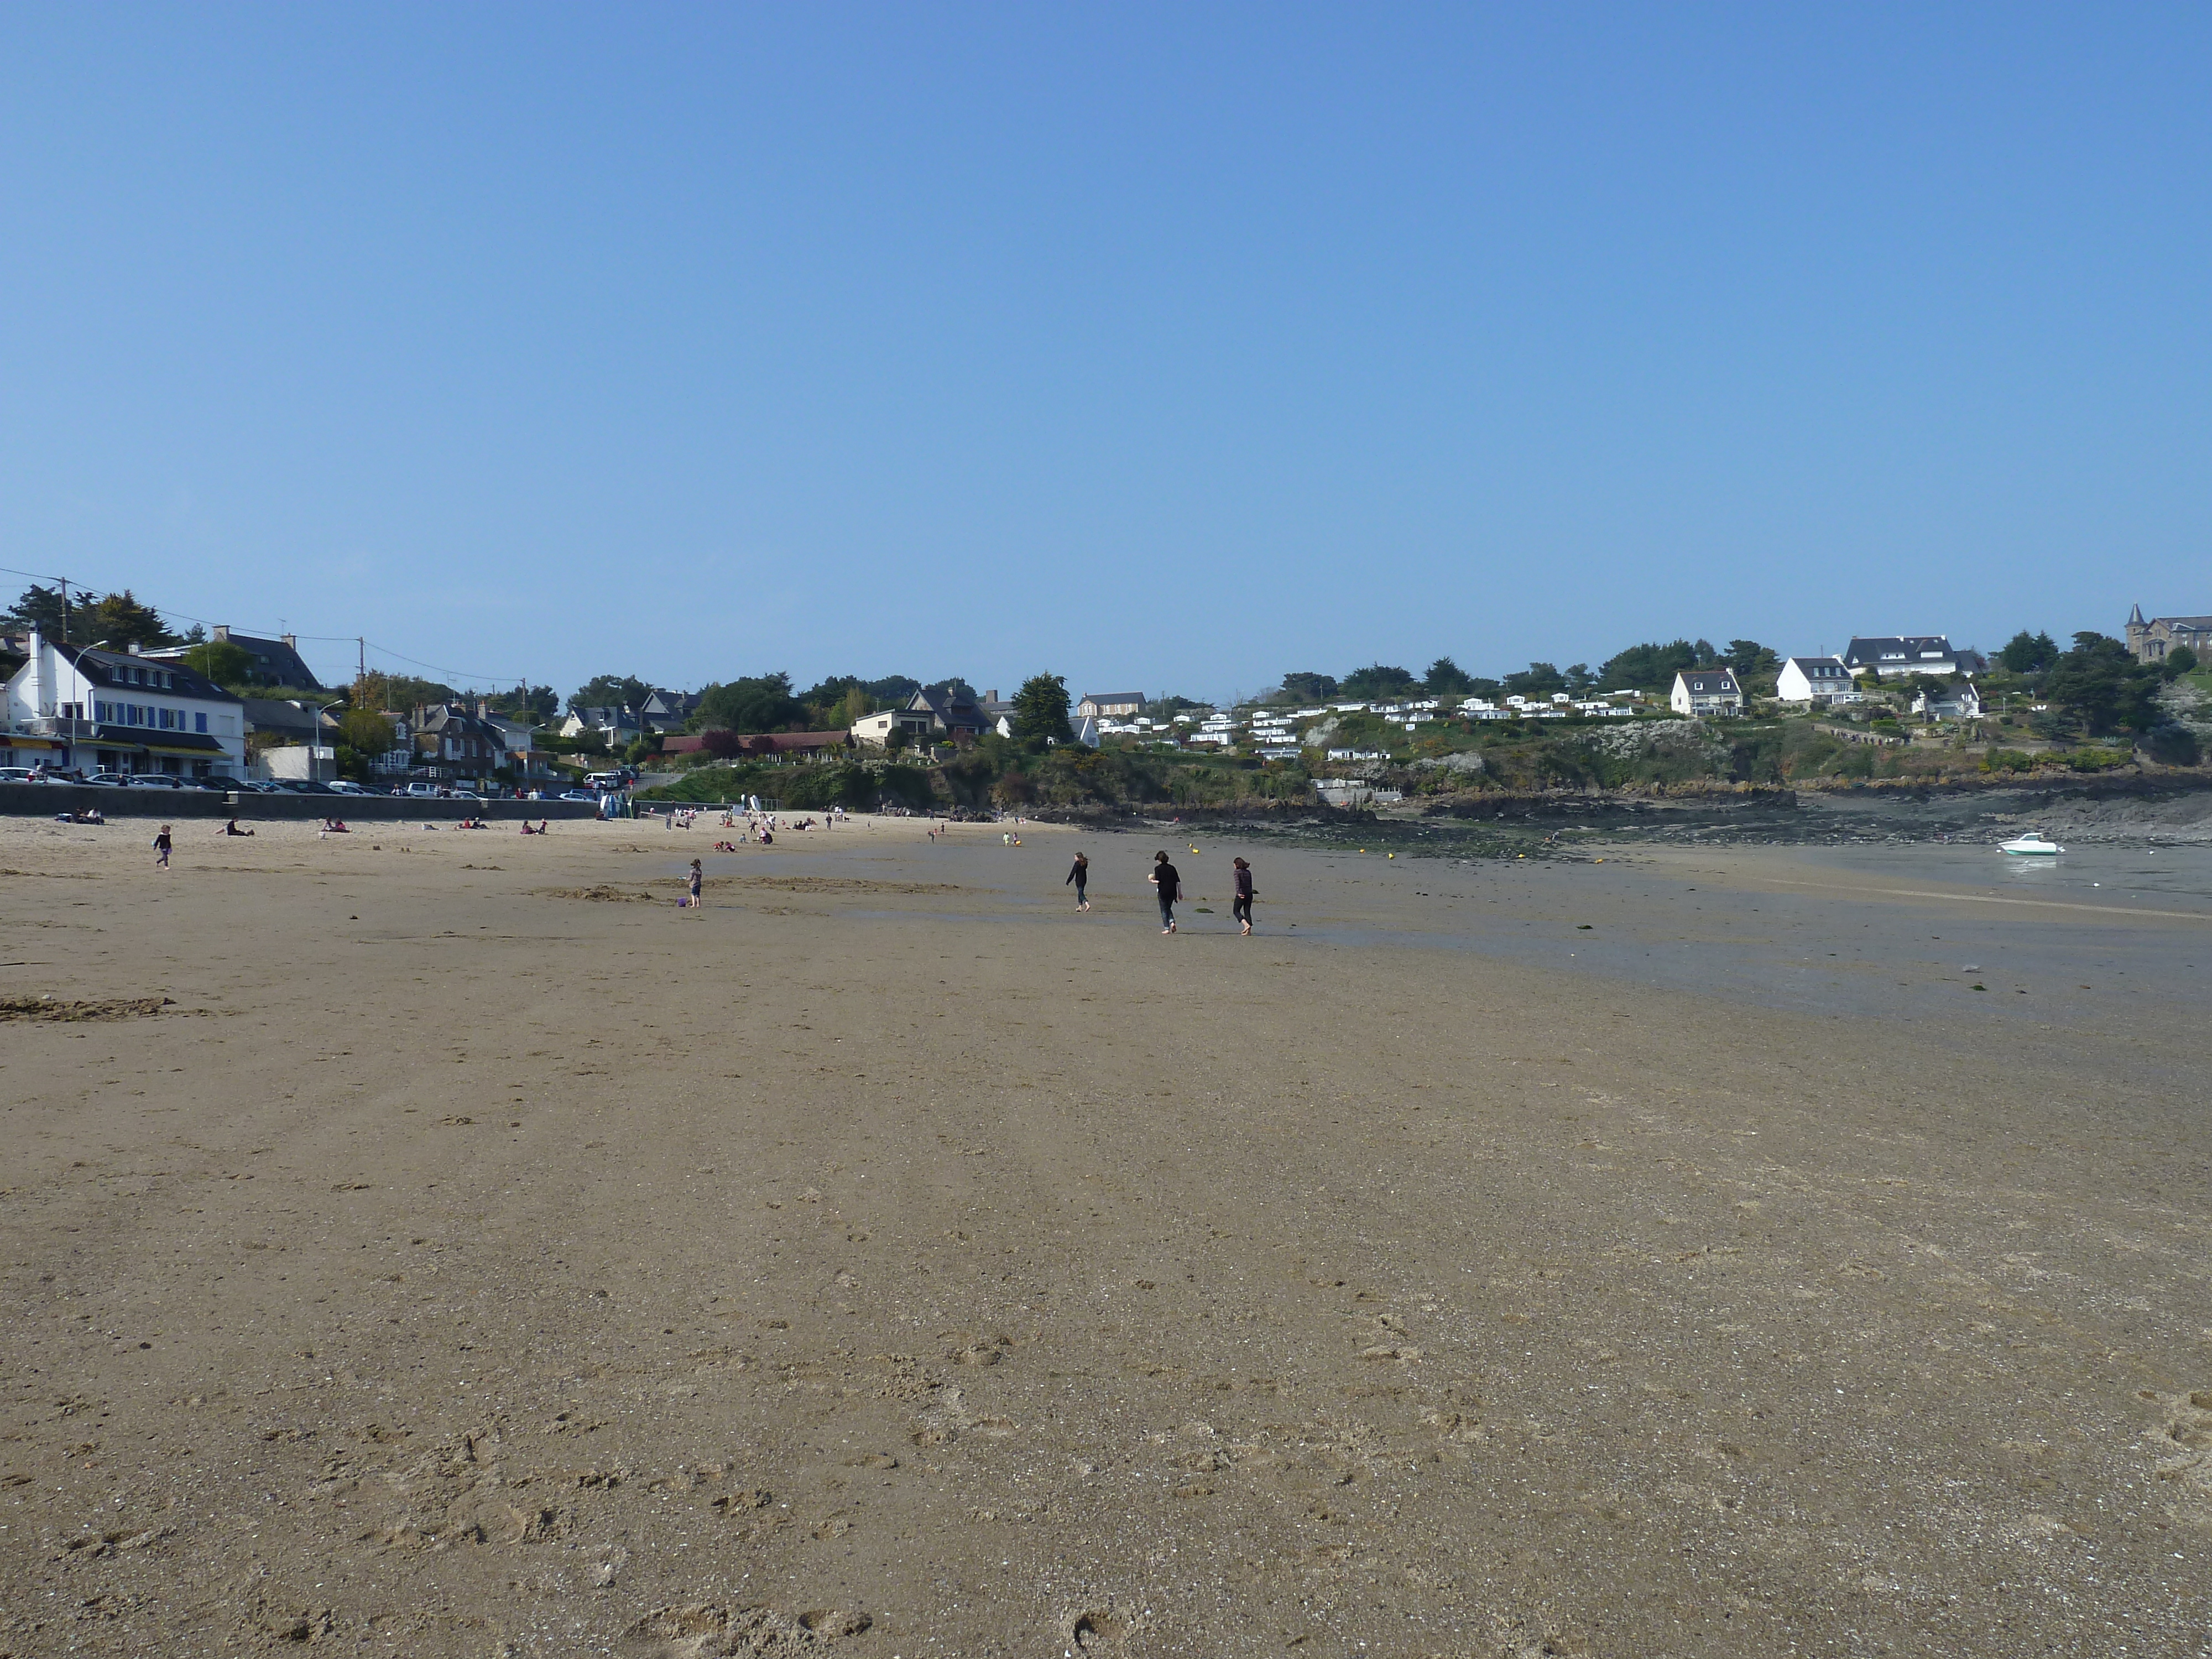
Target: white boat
[{"x": 2032, "y": 845}]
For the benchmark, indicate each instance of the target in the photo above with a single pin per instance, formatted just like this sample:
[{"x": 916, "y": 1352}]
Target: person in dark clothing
[
  {"x": 1169, "y": 881},
  {"x": 1240, "y": 906},
  {"x": 161, "y": 848},
  {"x": 1079, "y": 875},
  {"x": 231, "y": 829}
]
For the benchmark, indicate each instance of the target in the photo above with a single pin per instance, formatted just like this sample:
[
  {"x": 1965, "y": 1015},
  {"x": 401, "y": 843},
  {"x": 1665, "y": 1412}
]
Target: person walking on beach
[
  {"x": 1240, "y": 906},
  {"x": 1169, "y": 881},
  {"x": 161, "y": 849},
  {"x": 698, "y": 878},
  {"x": 1079, "y": 876}
]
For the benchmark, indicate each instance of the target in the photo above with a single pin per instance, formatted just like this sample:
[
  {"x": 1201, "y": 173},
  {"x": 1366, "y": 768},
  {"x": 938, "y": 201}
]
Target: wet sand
[{"x": 477, "y": 1255}]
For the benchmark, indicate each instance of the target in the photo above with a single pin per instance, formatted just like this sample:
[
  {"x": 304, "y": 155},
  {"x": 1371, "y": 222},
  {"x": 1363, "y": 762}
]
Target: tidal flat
[{"x": 437, "y": 1242}]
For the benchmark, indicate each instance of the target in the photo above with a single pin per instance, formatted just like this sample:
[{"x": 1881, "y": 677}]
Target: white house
[
  {"x": 1817, "y": 681},
  {"x": 1706, "y": 692},
  {"x": 70, "y": 707},
  {"x": 1956, "y": 702},
  {"x": 1885, "y": 655}
]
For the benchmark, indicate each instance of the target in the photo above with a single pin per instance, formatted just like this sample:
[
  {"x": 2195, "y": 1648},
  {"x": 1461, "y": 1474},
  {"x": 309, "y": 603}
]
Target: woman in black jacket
[
  {"x": 1169, "y": 880},
  {"x": 1079, "y": 875},
  {"x": 1240, "y": 906}
]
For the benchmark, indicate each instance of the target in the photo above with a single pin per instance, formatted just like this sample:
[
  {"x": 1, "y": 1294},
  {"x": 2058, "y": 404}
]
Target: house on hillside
[
  {"x": 666, "y": 711},
  {"x": 953, "y": 715},
  {"x": 275, "y": 662},
  {"x": 1957, "y": 701},
  {"x": 73, "y": 707},
  {"x": 1111, "y": 705},
  {"x": 2152, "y": 641},
  {"x": 1821, "y": 682},
  {"x": 617, "y": 726},
  {"x": 1707, "y": 692},
  {"x": 1890, "y": 655},
  {"x": 999, "y": 711}
]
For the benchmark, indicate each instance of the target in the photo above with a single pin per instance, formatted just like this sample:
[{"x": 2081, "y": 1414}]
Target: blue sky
[{"x": 1160, "y": 347}]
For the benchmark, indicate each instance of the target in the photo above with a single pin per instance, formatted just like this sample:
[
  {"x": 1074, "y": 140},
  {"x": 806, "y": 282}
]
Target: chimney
[
  {"x": 223, "y": 633},
  {"x": 291, "y": 641},
  {"x": 992, "y": 695},
  {"x": 131, "y": 647},
  {"x": 484, "y": 708}
]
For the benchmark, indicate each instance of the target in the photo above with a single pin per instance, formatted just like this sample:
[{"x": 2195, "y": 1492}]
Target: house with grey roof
[
  {"x": 1707, "y": 692},
  {"x": 1820, "y": 682},
  {"x": 1888, "y": 656},
  {"x": 2153, "y": 641},
  {"x": 275, "y": 662},
  {"x": 76, "y": 707},
  {"x": 1111, "y": 705}
]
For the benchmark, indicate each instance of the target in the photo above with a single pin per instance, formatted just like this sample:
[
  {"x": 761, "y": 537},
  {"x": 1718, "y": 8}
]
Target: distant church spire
[{"x": 2135, "y": 617}]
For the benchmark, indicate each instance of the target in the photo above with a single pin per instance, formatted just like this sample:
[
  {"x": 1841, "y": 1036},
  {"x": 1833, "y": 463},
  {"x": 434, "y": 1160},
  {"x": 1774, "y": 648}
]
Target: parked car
[
  {"x": 422, "y": 792},
  {"x": 109, "y": 780},
  {"x": 15, "y": 775},
  {"x": 157, "y": 780},
  {"x": 211, "y": 781},
  {"x": 577, "y": 794},
  {"x": 346, "y": 787}
]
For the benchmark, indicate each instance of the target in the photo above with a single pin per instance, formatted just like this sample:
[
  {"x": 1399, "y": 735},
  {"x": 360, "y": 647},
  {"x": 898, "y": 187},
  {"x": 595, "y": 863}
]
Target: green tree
[
  {"x": 1446, "y": 678},
  {"x": 1041, "y": 710},
  {"x": 537, "y": 704},
  {"x": 2100, "y": 681},
  {"x": 613, "y": 691},
  {"x": 2028, "y": 653},
  {"x": 1649, "y": 667},
  {"x": 367, "y": 731},
  {"x": 121, "y": 620},
  {"x": 1538, "y": 679},
  {"x": 42, "y": 608},
  {"x": 1378, "y": 680},
  {"x": 1309, "y": 687},
  {"x": 759, "y": 704},
  {"x": 220, "y": 662},
  {"x": 2180, "y": 660}
]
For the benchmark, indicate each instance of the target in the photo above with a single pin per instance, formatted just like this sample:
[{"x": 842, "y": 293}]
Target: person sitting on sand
[
  {"x": 231, "y": 829},
  {"x": 336, "y": 827}
]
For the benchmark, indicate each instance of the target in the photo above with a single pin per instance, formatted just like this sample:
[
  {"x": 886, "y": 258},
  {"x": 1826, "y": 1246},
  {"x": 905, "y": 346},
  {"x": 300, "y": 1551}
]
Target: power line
[
  {"x": 171, "y": 614},
  {"x": 484, "y": 679}
]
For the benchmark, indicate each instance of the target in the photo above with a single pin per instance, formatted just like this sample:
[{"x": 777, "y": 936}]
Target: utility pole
[{"x": 63, "y": 580}]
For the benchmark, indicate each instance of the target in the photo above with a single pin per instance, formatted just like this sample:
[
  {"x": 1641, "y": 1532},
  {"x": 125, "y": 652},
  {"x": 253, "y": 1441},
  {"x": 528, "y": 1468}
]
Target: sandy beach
[{"x": 436, "y": 1243}]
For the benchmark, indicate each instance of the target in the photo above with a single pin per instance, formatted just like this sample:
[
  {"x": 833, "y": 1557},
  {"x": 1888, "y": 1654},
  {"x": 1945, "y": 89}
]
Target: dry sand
[{"x": 1509, "y": 1260}]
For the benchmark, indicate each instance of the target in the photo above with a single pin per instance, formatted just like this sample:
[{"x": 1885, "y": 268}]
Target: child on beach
[
  {"x": 161, "y": 849},
  {"x": 698, "y": 878},
  {"x": 1078, "y": 876}
]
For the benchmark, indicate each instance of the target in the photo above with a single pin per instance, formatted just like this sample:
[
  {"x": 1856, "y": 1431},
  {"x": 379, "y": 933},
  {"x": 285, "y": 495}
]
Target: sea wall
[{"x": 45, "y": 800}]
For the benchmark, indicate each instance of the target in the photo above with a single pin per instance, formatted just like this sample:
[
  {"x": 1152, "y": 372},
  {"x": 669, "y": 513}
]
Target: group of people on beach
[{"x": 1167, "y": 885}]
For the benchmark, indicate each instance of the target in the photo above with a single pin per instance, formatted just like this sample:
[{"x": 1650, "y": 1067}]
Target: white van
[{"x": 606, "y": 783}]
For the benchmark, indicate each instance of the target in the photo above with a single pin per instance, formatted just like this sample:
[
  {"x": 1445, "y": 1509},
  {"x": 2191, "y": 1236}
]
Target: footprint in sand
[
  {"x": 1093, "y": 1629},
  {"x": 704, "y": 1631},
  {"x": 2183, "y": 1445}
]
